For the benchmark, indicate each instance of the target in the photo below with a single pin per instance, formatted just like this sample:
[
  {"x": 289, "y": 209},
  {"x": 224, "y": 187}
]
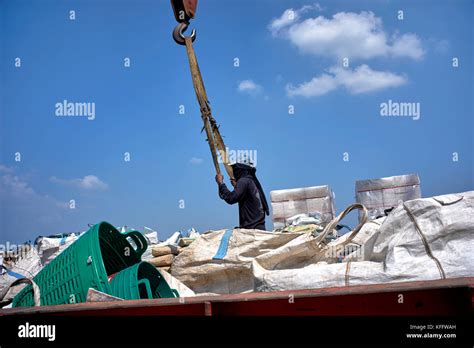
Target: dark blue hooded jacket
[{"x": 249, "y": 194}]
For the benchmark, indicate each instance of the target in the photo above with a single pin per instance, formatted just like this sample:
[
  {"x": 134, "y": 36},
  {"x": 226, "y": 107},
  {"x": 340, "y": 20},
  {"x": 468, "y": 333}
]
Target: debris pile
[
  {"x": 51, "y": 246},
  {"x": 23, "y": 262},
  {"x": 400, "y": 237},
  {"x": 162, "y": 254},
  {"x": 316, "y": 202},
  {"x": 380, "y": 196},
  {"x": 420, "y": 239}
]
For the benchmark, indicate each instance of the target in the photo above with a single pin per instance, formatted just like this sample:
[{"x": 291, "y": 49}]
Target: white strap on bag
[
  {"x": 36, "y": 289},
  {"x": 329, "y": 252},
  {"x": 425, "y": 242},
  {"x": 332, "y": 225}
]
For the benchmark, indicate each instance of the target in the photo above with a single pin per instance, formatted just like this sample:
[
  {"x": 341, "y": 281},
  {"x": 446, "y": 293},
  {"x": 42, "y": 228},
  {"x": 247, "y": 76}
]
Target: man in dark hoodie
[{"x": 248, "y": 193}]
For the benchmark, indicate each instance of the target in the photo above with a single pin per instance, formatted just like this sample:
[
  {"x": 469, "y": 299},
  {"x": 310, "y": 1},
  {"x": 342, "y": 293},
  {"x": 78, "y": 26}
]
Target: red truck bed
[{"x": 434, "y": 298}]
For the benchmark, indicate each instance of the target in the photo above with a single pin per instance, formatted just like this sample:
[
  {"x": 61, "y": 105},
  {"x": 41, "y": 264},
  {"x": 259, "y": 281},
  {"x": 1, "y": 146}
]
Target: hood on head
[{"x": 241, "y": 170}]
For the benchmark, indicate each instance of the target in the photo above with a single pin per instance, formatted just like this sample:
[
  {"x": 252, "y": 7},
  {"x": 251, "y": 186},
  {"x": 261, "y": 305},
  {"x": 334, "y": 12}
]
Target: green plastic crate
[
  {"x": 86, "y": 263},
  {"x": 141, "y": 281}
]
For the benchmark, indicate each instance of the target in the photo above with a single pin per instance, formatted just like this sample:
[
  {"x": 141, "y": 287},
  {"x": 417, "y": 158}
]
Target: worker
[{"x": 248, "y": 193}]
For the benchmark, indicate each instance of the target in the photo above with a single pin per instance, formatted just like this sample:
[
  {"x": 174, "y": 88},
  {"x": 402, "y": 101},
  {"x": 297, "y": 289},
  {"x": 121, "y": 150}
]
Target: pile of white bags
[
  {"x": 152, "y": 238},
  {"x": 220, "y": 261},
  {"x": 379, "y": 195},
  {"x": 421, "y": 239},
  {"x": 51, "y": 247},
  {"x": 24, "y": 263},
  {"x": 315, "y": 201},
  {"x": 162, "y": 254}
]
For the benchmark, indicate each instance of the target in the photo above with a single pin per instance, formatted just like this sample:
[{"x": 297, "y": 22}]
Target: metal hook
[{"x": 178, "y": 33}]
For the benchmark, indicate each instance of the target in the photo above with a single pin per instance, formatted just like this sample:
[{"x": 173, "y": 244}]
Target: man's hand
[{"x": 219, "y": 179}]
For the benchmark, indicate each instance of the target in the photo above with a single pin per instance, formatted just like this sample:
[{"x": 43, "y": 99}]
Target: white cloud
[
  {"x": 363, "y": 79},
  {"x": 24, "y": 212},
  {"x": 290, "y": 16},
  {"x": 15, "y": 185},
  {"x": 316, "y": 87},
  {"x": 249, "y": 87},
  {"x": 360, "y": 80},
  {"x": 88, "y": 182},
  {"x": 407, "y": 45},
  {"x": 5, "y": 169},
  {"x": 346, "y": 34},
  {"x": 196, "y": 160}
]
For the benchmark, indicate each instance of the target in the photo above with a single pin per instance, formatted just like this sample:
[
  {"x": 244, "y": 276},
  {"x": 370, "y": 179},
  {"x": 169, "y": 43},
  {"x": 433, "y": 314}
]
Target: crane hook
[{"x": 178, "y": 33}]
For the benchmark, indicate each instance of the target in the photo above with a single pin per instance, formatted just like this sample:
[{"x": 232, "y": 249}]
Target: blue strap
[
  {"x": 13, "y": 274},
  {"x": 222, "y": 251},
  {"x": 63, "y": 240}
]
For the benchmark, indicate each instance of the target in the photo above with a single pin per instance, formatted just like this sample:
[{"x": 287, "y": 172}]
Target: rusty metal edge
[{"x": 464, "y": 282}]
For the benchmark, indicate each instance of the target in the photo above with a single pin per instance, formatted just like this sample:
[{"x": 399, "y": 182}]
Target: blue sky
[{"x": 284, "y": 60}]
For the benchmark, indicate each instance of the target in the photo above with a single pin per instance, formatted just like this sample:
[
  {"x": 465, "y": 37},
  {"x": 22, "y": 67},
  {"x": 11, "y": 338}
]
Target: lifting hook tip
[{"x": 178, "y": 33}]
